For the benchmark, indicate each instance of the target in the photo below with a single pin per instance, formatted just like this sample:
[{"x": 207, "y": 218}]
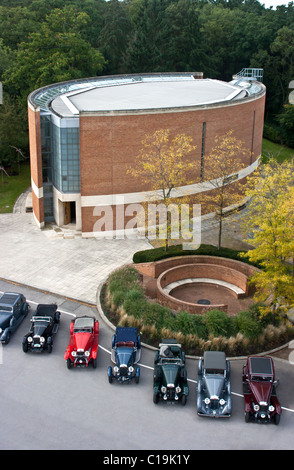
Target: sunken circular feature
[{"x": 200, "y": 283}]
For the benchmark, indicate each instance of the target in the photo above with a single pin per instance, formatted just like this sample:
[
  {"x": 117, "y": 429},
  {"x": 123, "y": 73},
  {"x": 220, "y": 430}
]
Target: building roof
[{"x": 135, "y": 93}]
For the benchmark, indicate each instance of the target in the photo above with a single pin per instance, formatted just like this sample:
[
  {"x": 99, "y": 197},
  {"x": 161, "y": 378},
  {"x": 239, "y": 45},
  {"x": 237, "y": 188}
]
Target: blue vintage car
[
  {"x": 13, "y": 309},
  {"x": 213, "y": 385},
  {"x": 125, "y": 353}
]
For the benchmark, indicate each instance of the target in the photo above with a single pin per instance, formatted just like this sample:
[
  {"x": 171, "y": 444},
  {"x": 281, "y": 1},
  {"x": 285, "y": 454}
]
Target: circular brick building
[{"x": 85, "y": 135}]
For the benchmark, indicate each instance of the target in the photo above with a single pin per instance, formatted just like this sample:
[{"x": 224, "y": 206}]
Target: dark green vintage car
[{"x": 170, "y": 374}]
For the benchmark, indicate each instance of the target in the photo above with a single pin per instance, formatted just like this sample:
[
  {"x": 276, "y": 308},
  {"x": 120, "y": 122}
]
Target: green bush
[
  {"x": 218, "y": 323},
  {"x": 156, "y": 254},
  {"x": 248, "y": 325}
]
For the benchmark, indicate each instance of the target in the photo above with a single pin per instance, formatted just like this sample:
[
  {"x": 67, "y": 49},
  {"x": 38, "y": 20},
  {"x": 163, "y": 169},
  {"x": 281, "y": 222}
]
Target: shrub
[
  {"x": 248, "y": 325},
  {"x": 156, "y": 254},
  {"x": 218, "y": 323}
]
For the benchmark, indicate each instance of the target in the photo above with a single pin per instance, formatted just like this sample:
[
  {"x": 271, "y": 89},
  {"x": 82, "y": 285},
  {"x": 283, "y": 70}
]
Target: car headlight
[
  {"x": 116, "y": 369},
  {"x": 207, "y": 401},
  {"x": 271, "y": 408},
  {"x": 87, "y": 353},
  {"x": 256, "y": 407},
  {"x": 178, "y": 389},
  {"x": 30, "y": 339},
  {"x": 74, "y": 353},
  {"x": 131, "y": 369},
  {"x": 1, "y": 331},
  {"x": 222, "y": 402},
  {"x": 42, "y": 339},
  {"x": 163, "y": 389}
]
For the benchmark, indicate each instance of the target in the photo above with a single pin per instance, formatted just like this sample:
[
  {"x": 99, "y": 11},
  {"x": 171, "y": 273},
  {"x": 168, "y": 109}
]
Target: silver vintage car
[{"x": 213, "y": 385}]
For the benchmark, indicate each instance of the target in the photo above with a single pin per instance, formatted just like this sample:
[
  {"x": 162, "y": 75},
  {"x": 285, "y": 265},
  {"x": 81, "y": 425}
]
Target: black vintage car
[
  {"x": 170, "y": 375},
  {"x": 213, "y": 385},
  {"x": 125, "y": 353},
  {"x": 13, "y": 309},
  {"x": 44, "y": 324}
]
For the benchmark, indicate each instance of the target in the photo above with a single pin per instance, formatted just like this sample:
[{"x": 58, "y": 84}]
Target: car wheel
[
  {"x": 68, "y": 363},
  {"x": 184, "y": 400},
  {"x": 94, "y": 363},
  {"x": 247, "y": 416},
  {"x": 155, "y": 398},
  {"x": 49, "y": 348},
  {"x": 109, "y": 373},
  {"x": 25, "y": 346},
  {"x": 8, "y": 336},
  {"x": 276, "y": 418}
]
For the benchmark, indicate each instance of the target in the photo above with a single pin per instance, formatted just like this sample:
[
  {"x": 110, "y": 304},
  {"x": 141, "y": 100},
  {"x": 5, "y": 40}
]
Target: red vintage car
[
  {"x": 83, "y": 343},
  {"x": 259, "y": 388}
]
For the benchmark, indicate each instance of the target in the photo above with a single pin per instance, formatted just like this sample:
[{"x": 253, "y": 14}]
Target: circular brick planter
[{"x": 222, "y": 273}]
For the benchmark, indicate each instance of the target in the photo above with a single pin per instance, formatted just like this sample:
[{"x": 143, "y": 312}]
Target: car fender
[
  {"x": 276, "y": 404},
  {"x": 67, "y": 354},
  {"x": 247, "y": 403},
  {"x": 156, "y": 389}
]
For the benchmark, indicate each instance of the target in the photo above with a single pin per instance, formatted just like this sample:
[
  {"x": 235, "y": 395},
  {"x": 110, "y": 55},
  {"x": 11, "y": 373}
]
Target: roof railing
[{"x": 256, "y": 74}]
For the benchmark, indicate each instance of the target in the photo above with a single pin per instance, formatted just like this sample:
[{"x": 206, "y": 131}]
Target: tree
[
  {"x": 57, "y": 52},
  {"x": 163, "y": 166},
  {"x": 221, "y": 167},
  {"x": 270, "y": 224}
]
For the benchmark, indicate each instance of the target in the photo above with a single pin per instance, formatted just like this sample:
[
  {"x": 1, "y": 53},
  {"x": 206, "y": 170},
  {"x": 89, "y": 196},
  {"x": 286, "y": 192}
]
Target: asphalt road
[{"x": 45, "y": 406}]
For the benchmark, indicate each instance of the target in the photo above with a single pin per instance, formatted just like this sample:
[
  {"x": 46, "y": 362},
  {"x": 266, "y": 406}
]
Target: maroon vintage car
[
  {"x": 83, "y": 342},
  {"x": 259, "y": 389}
]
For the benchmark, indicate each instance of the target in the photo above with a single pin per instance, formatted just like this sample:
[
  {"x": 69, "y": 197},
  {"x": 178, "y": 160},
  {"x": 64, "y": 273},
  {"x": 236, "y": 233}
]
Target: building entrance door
[{"x": 67, "y": 213}]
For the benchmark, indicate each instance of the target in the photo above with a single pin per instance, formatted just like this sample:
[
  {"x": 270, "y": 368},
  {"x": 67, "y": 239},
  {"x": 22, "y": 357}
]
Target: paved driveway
[{"x": 68, "y": 265}]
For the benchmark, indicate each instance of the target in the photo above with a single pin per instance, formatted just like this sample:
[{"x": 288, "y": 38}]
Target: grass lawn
[
  {"x": 12, "y": 186},
  {"x": 279, "y": 152}
]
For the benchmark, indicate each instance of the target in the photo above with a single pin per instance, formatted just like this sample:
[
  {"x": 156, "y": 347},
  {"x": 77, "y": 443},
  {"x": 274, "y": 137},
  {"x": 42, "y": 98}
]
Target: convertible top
[
  {"x": 84, "y": 322},
  {"x": 214, "y": 360},
  {"x": 261, "y": 365},
  {"x": 124, "y": 334},
  {"x": 45, "y": 310}
]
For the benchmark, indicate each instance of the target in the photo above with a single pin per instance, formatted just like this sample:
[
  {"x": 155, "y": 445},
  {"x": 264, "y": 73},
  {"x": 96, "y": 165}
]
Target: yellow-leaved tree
[
  {"x": 221, "y": 168},
  {"x": 269, "y": 225},
  {"x": 163, "y": 165}
]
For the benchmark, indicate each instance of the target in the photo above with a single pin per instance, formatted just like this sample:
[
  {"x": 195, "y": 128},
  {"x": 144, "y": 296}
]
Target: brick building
[{"x": 85, "y": 134}]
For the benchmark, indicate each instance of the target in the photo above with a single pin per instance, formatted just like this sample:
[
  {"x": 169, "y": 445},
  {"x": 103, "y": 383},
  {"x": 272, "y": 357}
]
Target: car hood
[
  {"x": 214, "y": 385},
  {"x": 261, "y": 391},
  {"x": 39, "y": 328},
  {"x": 124, "y": 356},
  {"x": 5, "y": 318},
  {"x": 170, "y": 373},
  {"x": 83, "y": 341}
]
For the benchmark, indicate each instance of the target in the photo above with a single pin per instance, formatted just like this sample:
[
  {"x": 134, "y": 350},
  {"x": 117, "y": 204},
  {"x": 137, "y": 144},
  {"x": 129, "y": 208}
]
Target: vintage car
[
  {"x": 213, "y": 385},
  {"x": 259, "y": 388},
  {"x": 125, "y": 353},
  {"x": 170, "y": 375},
  {"x": 44, "y": 324},
  {"x": 13, "y": 309},
  {"x": 83, "y": 343}
]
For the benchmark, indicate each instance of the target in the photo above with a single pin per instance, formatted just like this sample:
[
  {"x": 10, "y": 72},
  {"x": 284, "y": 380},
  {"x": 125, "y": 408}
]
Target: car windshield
[
  {"x": 6, "y": 309},
  {"x": 261, "y": 378},
  {"x": 215, "y": 372},
  {"x": 41, "y": 319},
  {"x": 83, "y": 330}
]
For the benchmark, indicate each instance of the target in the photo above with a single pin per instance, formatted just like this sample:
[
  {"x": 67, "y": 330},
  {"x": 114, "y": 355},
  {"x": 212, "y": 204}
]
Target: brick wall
[
  {"x": 36, "y": 164},
  {"x": 109, "y": 144}
]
